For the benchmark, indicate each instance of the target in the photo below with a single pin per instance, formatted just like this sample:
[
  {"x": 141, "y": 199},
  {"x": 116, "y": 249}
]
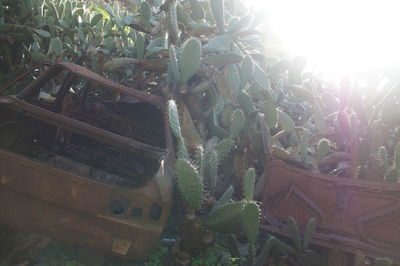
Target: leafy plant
[
  {"x": 301, "y": 251},
  {"x": 228, "y": 104}
]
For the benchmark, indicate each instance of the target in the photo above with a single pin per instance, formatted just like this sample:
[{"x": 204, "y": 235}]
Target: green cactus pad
[
  {"x": 174, "y": 124},
  {"x": 96, "y": 19},
  {"x": 240, "y": 24},
  {"x": 182, "y": 16},
  {"x": 189, "y": 184},
  {"x": 251, "y": 221},
  {"x": 271, "y": 115},
  {"x": 217, "y": 8},
  {"x": 295, "y": 233},
  {"x": 245, "y": 102},
  {"x": 139, "y": 45},
  {"x": 190, "y": 59},
  {"x": 285, "y": 121},
  {"x": 172, "y": 18},
  {"x": 223, "y": 200},
  {"x": 246, "y": 69},
  {"x": 223, "y": 148},
  {"x": 305, "y": 139},
  {"x": 210, "y": 168},
  {"x": 237, "y": 123},
  {"x": 227, "y": 218},
  {"x": 322, "y": 149},
  {"x": 302, "y": 93},
  {"x": 233, "y": 79},
  {"x": 223, "y": 86},
  {"x": 319, "y": 117},
  {"x": 264, "y": 254},
  {"x": 42, "y": 33},
  {"x": 223, "y": 59},
  {"x": 248, "y": 184},
  {"x": 227, "y": 115},
  {"x": 173, "y": 63},
  {"x": 310, "y": 229},
  {"x": 145, "y": 13},
  {"x": 219, "y": 43},
  {"x": 197, "y": 10},
  {"x": 173, "y": 118},
  {"x": 55, "y": 46},
  {"x": 282, "y": 247},
  {"x": 226, "y": 197}
]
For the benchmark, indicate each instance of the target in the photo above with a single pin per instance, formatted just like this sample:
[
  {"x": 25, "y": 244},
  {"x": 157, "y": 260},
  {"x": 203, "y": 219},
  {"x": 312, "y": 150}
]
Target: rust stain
[
  {"x": 5, "y": 179},
  {"x": 351, "y": 214},
  {"x": 88, "y": 166},
  {"x": 121, "y": 246}
]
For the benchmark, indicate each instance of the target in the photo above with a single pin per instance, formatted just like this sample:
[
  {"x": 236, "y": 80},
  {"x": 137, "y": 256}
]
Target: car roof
[{"x": 88, "y": 74}]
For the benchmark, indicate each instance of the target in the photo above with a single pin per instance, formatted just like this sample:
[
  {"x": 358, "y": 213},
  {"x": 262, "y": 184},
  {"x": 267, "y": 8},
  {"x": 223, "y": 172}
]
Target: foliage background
[{"x": 231, "y": 105}]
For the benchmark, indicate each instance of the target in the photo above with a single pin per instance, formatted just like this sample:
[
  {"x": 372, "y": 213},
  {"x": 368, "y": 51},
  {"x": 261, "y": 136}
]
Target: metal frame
[
  {"x": 44, "y": 199},
  {"x": 351, "y": 214}
]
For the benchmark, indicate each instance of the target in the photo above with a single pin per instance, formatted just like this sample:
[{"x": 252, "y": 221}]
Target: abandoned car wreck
[{"x": 83, "y": 159}]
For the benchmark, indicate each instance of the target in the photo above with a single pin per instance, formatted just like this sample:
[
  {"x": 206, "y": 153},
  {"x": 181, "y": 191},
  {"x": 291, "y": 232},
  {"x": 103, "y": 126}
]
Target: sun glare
[{"x": 336, "y": 35}]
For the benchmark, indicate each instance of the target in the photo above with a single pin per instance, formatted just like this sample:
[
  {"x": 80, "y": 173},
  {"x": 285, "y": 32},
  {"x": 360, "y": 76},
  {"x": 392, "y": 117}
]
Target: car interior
[{"x": 62, "y": 92}]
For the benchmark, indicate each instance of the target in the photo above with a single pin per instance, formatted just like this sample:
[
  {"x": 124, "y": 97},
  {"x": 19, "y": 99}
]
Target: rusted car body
[
  {"x": 84, "y": 159},
  {"x": 350, "y": 214}
]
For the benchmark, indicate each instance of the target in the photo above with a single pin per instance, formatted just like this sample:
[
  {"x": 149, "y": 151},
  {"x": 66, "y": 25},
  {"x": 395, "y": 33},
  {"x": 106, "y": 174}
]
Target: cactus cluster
[
  {"x": 230, "y": 106},
  {"x": 86, "y": 33},
  {"x": 243, "y": 105},
  {"x": 226, "y": 216},
  {"x": 233, "y": 216}
]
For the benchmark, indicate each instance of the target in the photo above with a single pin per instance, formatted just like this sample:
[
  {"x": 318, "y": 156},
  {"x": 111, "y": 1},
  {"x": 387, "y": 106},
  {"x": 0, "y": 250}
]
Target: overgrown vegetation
[{"x": 231, "y": 108}]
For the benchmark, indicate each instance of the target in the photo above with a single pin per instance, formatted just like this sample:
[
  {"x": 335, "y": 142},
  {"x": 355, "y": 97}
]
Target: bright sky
[{"x": 340, "y": 35}]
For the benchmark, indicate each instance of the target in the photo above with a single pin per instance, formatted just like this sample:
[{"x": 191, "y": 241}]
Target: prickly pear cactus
[
  {"x": 190, "y": 59},
  {"x": 237, "y": 123},
  {"x": 322, "y": 149},
  {"x": 189, "y": 183},
  {"x": 223, "y": 148},
  {"x": 250, "y": 221},
  {"x": 226, "y": 219},
  {"x": 210, "y": 169},
  {"x": 173, "y": 118},
  {"x": 248, "y": 184},
  {"x": 224, "y": 199}
]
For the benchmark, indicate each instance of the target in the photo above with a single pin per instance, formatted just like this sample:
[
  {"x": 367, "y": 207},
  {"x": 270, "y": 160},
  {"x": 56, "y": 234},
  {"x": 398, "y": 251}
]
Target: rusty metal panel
[
  {"x": 350, "y": 214},
  {"x": 42, "y": 199},
  {"x": 57, "y": 185},
  {"x": 86, "y": 73}
]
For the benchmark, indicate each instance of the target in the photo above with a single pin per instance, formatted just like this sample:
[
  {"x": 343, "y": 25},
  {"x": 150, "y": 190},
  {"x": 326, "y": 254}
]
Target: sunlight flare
[{"x": 338, "y": 36}]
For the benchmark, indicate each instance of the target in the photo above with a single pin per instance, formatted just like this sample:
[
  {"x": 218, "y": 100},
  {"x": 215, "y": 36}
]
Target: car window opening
[{"x": 104, "y": 108}]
